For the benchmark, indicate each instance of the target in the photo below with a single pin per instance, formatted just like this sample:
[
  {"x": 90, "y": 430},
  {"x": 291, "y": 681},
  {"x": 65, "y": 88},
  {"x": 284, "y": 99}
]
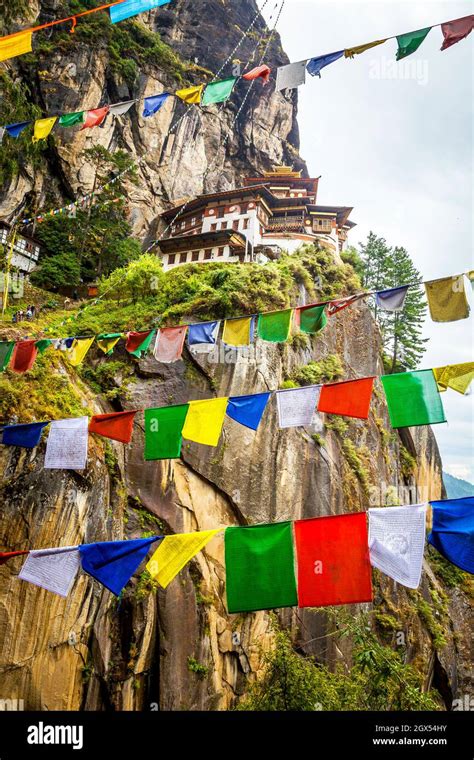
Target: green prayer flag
[
  {"x": 275, "y": 326},
  {"x": 70, "y": 119},
  {"x": 313, "y": 320},
  {"x": 163, "y": 428},
  {"x": 408, "y": 43},
  {"x": 43, "y": 344},
  {"x": 413, "y": 398},
  {"x": 259, "y": 565},
  {"x": 217, "y": 92},
  {"x": 143, "y": 347},
  {"x": 6, "y": 350}
]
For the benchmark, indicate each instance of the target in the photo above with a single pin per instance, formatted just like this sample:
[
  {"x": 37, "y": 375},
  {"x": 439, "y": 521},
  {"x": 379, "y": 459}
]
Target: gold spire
[{"x": 282, "y": 171}]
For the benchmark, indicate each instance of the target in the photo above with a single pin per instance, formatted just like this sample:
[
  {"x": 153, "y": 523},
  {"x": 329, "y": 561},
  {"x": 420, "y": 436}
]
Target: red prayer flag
[
  {"x": 454, "y": 31},
  {"x": 350, "y": 398},
  {"x": 95, "y": 118},
  {"x": 23, "y": 356},
  {"x": 259, "y": 71},
  {"x": 5, "y": 556},
  {"x": 333, "y": 560},
  {"x": 118, "y": 425},
  {"x": 135, "y": 339},
  {"x": 340, "y": 303}
]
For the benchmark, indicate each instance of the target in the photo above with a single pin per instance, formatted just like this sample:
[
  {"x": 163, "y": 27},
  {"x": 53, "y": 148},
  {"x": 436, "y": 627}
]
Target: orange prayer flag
[
  {"x": 24, "y": 355},
  {"x": 95, "y": 117},
  {"x": 118, "y": 425},
  {"x": 262, "y": 72},
  {"x": 5, "y": 556},
  {"x": 350, "y": 398}
]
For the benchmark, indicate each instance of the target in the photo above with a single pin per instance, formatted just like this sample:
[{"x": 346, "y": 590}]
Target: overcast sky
[{"x": 394, "y": 140}]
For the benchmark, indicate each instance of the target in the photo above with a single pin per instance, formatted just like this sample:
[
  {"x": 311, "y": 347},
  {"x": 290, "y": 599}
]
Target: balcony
[{"x": 287, "y": 224}]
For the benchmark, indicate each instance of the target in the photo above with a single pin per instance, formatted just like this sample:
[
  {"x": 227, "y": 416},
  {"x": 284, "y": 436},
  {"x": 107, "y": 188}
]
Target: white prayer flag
[
  {"x": 66, "y": 447},
  {"x": 397, "y": 542},
  {"x": 118, "y": 109},
  {"x": 290, "y": 76},
  {"x": 393, "y": 299},
  {"x": 52, "y": 569},
  {"x": 297, "y": 406}
]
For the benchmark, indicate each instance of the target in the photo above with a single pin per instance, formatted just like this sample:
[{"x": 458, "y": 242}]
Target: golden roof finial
[{"x": 283, "y": 171}]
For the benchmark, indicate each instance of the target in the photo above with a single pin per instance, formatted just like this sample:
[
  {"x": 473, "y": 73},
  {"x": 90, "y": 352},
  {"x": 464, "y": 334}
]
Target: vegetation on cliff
[
  {"x": 139, "y": 294},
  {"x": 379, "y": 678}
]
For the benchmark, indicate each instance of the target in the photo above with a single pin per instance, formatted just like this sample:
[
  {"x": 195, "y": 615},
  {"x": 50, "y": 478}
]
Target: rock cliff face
[{"x": 179, "y": 649}]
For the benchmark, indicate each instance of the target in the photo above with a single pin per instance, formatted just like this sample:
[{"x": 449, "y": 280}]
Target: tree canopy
[{"x": 386, "y": 267}]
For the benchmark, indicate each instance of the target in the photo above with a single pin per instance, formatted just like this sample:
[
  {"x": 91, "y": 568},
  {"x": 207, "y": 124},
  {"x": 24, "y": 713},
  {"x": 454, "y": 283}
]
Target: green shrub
[
  {"x": 407, "y": 462},
  {"x": 325, "y": 370},
  {"x": 195, "y": 667},
  {"x": 378, "y": 680},
  {"x": 355, "y": 463}
]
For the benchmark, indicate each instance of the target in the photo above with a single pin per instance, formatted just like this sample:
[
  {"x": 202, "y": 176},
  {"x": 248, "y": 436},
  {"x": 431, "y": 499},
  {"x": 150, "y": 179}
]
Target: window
[
  {"x": 245, "y": 225},
  {"x": 193, "y": 221},
  {"x": 220, "y": 212},
  {"x": 235, "y": 224},
  {"x": 183, "y": 257},
  {"x": 183, "y": 225},
  {"x": 207, "y": 253},
  {"x": 220, "y": 251},
  {"x": 195, "y": 256},
  {"x": 213, "y": 227},
  {"x": 171, "y": 258}
]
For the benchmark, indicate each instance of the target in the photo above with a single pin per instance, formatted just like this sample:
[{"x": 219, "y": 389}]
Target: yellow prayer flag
[
  {"x": 174, "y": 552},
  {"x": 107, "y": 344},
  {"x": 237, "y": 331},
  {"x": 190, "y": 94},
  {"x": 43, "y": 127},
  {"x": 351, "y": 52},
  {"x": 18, "y": 44},
  {"x": 78, "y": 350},
  {"x": 204, "y": 420},
  {"x": 447, "y": 299},
  {"x": 455, "y": 376}
]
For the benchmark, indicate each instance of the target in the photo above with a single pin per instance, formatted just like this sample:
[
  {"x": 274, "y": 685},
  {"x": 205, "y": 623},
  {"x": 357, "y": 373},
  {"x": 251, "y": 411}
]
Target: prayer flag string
[{"x": 332, "y": 555}]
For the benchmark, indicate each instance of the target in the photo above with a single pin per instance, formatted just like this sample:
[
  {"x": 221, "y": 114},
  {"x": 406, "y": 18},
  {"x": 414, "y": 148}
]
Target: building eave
[
  {"x": 203, "y": 200},
  {"x": 203, "y": 240}
]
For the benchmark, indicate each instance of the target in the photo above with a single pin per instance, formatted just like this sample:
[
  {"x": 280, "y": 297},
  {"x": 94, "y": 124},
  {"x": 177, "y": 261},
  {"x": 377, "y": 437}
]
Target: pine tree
[{"x": 386, "y": 267}]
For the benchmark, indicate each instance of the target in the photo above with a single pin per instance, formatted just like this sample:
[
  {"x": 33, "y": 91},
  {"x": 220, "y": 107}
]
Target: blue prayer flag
[
  {"x": 315, "y": 65},
  {"x": 15, "y": 129},
  {"x": 247, "y": 410},
  {"x": 132, "y": 8},
  {"x": 392, "y": 299},
  {"x": 154, "y": 103},
  {"x": 113, "y": 563},
  {"x": 27, "y": 436},
  {"x": 452, "y": 533},
  {"x": 205, "y": 332}
]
